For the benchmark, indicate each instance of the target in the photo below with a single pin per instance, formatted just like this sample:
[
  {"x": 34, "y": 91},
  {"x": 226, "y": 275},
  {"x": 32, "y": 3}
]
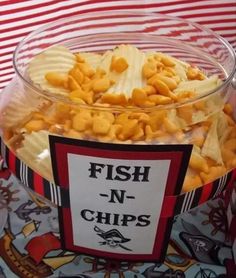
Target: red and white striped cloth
[{"x": 19, "y": 17}]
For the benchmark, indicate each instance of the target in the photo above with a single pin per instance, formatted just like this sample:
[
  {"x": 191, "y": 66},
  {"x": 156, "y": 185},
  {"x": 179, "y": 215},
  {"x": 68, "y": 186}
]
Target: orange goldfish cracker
[
  {"x": 118, "y": 64},
  {"x": 170, "y": 126},
  {"x": 167, "y": 61},
  {"x": 185, "y": 112},
  {"x": 200, "y": 105},
  {"x": 232, "y": 163},
  {"x": 230, "y": 144},
  {"x": 191, "y": 182},
  {"x": 57, "y": 79},
  {"x": 122, "y": 118},
  {"x": 114, "y": 99},
  {"x": 86, "y": 69},
  {"x": 67, "y": 125},
  {"x": 194, "y": 74},
  {"x": 230, "y": 120},
  {"x": 101, "y": 84},
  {"x": 138, "y": 97},
  {"x": 228, "y": 109},
  {"x": 62, "y": 110},
  {"x": 148, "y": 104},
  {"x": 163, "y": 89},
  {"x": 35, "y": 125},
  {"x": 99, "y": 73},
  {"x": 149, "y": 69},
  {"x": 138, "y": 135},
  {"x": 79, "y": 59},
  {"x": 228, "y": 156},
  {"x": 197, "y": 162},
  {"x": 197, "y": 136},
  {"x": 171, "y": 71},
  {"x": 185, "y": 95},
  {"x": 170, "y": 82},
  {"x": 156, "y": 119},
  {"x": 150, "y": 134},
  {"x": 73, "y": 84},
  {"x": 141, "y": 117},
  {"x": 77, "y": 74},
  {"x": 82, "y": 121},
  {"x": 107, "y": 115},
  {"x": 128, "y": 129},
  {"x": 214, "y": 173},
  {"x": 160, "y": 99},
  {"x": 149, "y": 90},
  {"x": 101, "y": 126},
  {"x": 79, "y": 93}
]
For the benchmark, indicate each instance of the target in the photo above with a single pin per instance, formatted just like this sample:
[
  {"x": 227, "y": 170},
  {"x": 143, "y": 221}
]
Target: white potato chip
[
  {"x": 20, "y": 106},
  {"x": 92, "y": 59},
  {"x": 199, "y": 86},
  {"x": 211, "y": 146},
  {"x": 130, "y": 78},
  {"x": 223, "y": 128},
  {"x": 35, "y": 153},
  {"x": 54, "y": 59}
]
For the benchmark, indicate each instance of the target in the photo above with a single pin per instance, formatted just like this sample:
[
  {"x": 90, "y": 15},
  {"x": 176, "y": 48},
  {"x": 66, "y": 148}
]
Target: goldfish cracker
[
  {"x": 228, "y": 109},
  {"x": 159, "y": 99},
  {"x": 185, "y": 112},
  {"x": 77, "y": 74},
  {"x": 214, "y": 173},
  {"x": 73, "y": 84},
  {"x": 35, "y": 125},
  {"x": 57, "y": 79},
  {"x": 149, "y": 90},
  {"x": 101, "y": 85},
  {"x": 128, "y": 129},
  {"x": 167, "y": 61},
  {"x": 118, "y": 64},
  {"x": 149, "y": 69},
  {"x": 139, "y": 97},
  {"x": 101, "y": 125},
  {"x": 191, "y": 182},
  {"x": 197, "y": 162},
  {"x": 156, "y": 119},
  {"x": 170, "y": 127},
  {"x": 114, "y": 99}
]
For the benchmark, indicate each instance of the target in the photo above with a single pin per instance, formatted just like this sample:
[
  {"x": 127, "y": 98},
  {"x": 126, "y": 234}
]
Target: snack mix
[{"x": 124, "y": 96}]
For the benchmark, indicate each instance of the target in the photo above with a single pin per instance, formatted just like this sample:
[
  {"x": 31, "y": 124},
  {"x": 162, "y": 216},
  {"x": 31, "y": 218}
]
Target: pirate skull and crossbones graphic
[{"x": 112, "y": 238}]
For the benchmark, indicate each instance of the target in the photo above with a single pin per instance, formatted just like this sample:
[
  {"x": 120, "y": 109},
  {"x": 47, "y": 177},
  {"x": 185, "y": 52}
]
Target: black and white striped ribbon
[
  {"x": 24, "y": 174},
  {"x": 188, "y": 201},
  {"x": 3, "y": 154},
  {"x": 55, "y": 194},
  {"x": 221, "y": 185}
]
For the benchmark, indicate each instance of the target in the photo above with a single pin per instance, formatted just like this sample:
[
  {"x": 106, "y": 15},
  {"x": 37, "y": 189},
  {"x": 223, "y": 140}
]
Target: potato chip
[
  {"x": 21, "y": 105},
  {"x": 56, "y": 59},
  {"x": 211, "y": 146},
  {"x": 92, "y": 59},
  {"x": 129, "y": 79},
  {"x": 199, "y": 86},
  {"x": 35, "y": 152}
]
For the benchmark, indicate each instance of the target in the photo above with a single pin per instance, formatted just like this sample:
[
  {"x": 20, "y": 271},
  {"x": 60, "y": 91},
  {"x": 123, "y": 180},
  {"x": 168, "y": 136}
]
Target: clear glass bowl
[{"x": 98, "y": 32}]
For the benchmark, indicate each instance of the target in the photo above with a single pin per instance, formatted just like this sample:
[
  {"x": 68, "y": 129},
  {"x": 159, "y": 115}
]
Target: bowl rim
[{"x": 44, "y": 27}]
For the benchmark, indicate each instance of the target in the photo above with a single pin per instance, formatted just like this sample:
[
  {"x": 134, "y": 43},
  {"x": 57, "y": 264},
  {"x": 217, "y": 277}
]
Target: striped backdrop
[{"x": 19, "y": 17}]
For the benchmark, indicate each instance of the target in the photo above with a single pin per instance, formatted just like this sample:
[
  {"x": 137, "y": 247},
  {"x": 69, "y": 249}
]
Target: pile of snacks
[{"x": 124, "y": 96}]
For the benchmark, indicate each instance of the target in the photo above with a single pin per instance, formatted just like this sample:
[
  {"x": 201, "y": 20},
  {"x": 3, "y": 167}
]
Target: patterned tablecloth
[{"x": 30, "y": 246}]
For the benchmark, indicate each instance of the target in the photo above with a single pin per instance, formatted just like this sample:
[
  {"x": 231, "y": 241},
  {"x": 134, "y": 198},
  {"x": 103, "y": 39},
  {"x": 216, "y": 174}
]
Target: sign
[{"x": 115, "y": 196}]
